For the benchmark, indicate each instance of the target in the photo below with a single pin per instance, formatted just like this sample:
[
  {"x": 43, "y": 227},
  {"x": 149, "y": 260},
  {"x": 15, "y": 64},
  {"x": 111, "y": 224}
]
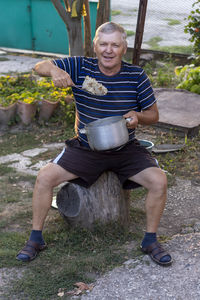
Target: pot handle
[{"x": 83, "y": 131}]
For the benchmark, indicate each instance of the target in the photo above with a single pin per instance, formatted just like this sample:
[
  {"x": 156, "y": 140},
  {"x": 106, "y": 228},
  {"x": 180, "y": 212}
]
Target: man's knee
[
  {"x": 159, "y": 181},
  {"x": 44, "y": 176}
]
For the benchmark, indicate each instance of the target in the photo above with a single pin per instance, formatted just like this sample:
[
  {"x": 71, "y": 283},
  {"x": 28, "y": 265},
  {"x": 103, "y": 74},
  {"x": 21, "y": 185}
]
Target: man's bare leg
[
  {"x": 155, "y": 181},
  {"x": 48, "y": 177}
]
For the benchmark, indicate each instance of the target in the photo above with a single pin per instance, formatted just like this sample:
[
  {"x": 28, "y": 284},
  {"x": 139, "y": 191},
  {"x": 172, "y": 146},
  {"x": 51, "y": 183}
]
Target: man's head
[{"x": 110, "y": 45}]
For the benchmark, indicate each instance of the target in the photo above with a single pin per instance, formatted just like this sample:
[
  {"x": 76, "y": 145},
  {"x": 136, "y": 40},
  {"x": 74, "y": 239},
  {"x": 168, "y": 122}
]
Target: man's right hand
[{"x": 61, "y": 78}]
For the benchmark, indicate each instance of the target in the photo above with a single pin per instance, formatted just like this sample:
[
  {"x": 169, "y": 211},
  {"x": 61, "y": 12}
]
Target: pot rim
[{"x": 105, "y": 121}]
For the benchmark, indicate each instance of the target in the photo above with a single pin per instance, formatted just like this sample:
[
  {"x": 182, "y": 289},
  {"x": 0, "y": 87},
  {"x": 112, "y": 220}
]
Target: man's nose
[{"x": 109, "y": 48}]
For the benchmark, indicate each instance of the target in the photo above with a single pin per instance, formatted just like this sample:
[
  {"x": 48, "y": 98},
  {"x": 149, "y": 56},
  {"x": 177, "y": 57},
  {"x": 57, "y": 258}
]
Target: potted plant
[
  {"x": 8, "y": 105},
  {"x": 50, "y": 97},
  {"x": 8, "y": 99},
  {"x": 27, "y": 106}
]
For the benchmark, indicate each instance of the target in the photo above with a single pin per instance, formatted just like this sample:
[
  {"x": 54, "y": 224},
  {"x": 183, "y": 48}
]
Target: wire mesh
[{"x": 164, "y": 24}]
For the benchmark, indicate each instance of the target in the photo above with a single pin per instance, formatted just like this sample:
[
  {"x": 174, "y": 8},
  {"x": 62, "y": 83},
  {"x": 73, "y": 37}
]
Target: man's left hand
[{"x": 133, "y": 123}]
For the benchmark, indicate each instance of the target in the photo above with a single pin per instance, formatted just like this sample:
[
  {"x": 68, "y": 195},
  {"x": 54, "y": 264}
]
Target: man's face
[{"x": 109, "y": 49}]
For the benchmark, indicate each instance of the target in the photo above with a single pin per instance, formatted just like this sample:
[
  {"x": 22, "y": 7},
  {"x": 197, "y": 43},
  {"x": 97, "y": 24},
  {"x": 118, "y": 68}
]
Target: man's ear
[
  {"x": 125, "y": 48},
  {"x": 93, "y": 44}
]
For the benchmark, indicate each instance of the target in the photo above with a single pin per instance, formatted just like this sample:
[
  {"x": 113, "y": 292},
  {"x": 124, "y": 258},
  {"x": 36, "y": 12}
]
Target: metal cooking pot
[{"x": 107, "y": 133}]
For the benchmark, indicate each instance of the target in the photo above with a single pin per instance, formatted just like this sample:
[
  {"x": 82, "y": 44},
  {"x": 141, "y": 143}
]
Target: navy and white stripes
[{"x": 130, "y": 89}]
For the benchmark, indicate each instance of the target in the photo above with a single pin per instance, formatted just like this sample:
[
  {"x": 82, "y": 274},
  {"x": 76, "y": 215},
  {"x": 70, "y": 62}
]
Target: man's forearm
[
  {"x": 44, "y": 68},
  {"x": 148, "y": 117}
]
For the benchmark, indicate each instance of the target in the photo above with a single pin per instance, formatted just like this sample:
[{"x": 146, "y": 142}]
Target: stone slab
[{"x": 178, "y": 109}]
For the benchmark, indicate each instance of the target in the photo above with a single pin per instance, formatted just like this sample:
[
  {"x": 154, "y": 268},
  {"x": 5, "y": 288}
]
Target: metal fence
[{"x": 164, "y": 24}]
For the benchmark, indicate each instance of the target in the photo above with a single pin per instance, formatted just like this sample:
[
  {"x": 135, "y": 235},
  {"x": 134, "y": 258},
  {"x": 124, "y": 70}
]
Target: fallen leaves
[{"x": 81, "y": 287}]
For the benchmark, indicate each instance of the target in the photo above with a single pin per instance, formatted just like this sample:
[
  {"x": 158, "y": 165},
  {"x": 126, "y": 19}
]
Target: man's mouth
[{"x": 108, "y": 58}]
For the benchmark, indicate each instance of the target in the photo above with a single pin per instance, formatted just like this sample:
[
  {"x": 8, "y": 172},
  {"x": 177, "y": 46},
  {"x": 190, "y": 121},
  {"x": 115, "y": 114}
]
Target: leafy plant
[
  {"x": 8, "y": 100},
  {"x": 193, "y": 27},
  {"x": 29, "y": 97},
  {"x": 189, "y": 76}
]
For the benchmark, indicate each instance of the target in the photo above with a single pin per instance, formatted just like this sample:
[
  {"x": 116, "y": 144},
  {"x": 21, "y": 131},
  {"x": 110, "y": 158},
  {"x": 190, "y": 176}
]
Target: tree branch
[{"x": 62, "y": 12}]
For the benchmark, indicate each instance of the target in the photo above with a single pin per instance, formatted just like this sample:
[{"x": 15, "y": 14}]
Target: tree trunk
[
  {"x": 103, "y": 12},
  {"x": 103, "y": 202},
  {"x": 88, "y": 51},
  {"x": 73, "y": 24},
  {"x": 75, "y": 37}
]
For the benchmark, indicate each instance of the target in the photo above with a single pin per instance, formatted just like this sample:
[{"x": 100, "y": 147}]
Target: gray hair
[{"x": 110, "y": 27}]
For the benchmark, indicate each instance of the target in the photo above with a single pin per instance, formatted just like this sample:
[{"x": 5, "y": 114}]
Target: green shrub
[
  {"x": 193, "y": 27},
  {"x": 189, "y": 75}
]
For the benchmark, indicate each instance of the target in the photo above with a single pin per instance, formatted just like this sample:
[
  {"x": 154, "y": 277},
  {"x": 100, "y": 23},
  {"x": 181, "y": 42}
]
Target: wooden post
[
  {"x": 105, "y": 201},
  {"x": 139, "y": 31}
]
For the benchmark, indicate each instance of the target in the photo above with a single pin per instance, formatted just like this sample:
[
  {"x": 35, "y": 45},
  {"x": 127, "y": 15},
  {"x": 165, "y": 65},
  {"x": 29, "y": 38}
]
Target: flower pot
[
  {"x": 26, "y": 111},
  {"x": 46, "y": 109},
  {"x": 7, "y": 113}
]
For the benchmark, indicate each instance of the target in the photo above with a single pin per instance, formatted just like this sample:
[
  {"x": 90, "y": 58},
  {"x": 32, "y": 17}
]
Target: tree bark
[
  {"x": 73, "y": 24},
  {"x": 103, "y": 12},
  {"x": 88, "y": 51},
  {"x": 105, "y": 201}
]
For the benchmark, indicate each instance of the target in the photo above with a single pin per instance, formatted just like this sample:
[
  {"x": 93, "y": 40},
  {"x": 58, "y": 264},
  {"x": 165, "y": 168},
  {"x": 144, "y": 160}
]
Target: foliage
[
  {"x": 193, "y": 27},
  {"x": 189, "y": 76},
  {"x": 27, "y": 89},
  {"x": 48, "y": 91},
  {"x": 6, "y": 101},
  {"x": 161, "y": 74},
  {"x": 14, "y": 88}
]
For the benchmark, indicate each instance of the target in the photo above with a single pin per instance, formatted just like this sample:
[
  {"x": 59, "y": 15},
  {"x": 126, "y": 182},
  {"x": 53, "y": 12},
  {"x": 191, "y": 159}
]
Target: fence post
[{"x": 139, "y": 31}]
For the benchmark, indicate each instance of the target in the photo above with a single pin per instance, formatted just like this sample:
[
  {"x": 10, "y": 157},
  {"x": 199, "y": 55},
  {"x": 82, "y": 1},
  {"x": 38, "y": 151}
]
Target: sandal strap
[
  {"x": 156, "y": 250},
  {"x": 31, "y": 248}
]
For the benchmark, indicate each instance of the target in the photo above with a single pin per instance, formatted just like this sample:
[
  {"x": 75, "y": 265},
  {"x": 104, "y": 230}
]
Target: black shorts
[{"x": 88, "y": 165}]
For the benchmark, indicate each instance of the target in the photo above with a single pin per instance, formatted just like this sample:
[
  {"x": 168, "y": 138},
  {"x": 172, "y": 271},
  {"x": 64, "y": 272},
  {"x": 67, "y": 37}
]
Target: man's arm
[
  {"x": 146, "y": 117},
  {"x": 59, "y": 77}
]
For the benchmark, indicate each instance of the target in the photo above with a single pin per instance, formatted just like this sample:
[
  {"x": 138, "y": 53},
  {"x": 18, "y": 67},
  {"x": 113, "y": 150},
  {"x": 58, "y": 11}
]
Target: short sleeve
[{"x": 146, "y": 97}]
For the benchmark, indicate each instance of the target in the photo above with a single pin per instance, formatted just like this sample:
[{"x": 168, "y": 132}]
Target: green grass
[
  {"x": 32, "y": 137},
  {"x": 130, "y": 33},
  {"x": 176, "y": 49},
  {"x": 73, "y": 255},
  {"x": 154, "y": 45},
  {"x": 116, "y": 12},
  {"x": 172, "y": 22},
  {"x": 153, "y": 42}
]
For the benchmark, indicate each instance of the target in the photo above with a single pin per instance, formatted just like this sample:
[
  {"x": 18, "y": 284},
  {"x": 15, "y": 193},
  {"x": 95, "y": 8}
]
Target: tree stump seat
[{"x": 105, "y": 201}]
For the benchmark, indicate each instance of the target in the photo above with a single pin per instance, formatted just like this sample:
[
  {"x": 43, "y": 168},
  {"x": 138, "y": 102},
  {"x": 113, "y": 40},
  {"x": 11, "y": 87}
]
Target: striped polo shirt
[{"x": 129, "y": 89}]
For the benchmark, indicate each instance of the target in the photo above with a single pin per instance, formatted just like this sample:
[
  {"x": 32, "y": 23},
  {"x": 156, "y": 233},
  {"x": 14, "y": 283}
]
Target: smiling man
[{"x": 129, "y": 95}]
